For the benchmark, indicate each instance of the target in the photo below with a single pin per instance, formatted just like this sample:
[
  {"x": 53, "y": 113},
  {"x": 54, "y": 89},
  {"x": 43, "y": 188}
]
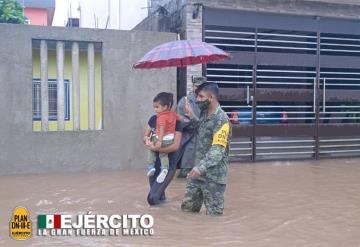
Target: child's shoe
[
  {"x": 151, "y": 170},
  {"x": 162, "y": 176}
]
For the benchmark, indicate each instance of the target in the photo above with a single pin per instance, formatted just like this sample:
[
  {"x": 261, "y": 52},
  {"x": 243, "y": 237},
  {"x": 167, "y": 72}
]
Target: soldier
[
  {"x": 186, "y": 153},
  {"x": 207, "y": 180}
]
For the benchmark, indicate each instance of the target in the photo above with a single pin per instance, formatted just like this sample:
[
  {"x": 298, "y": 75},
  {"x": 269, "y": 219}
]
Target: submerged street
[{"x": 297, "y": 203}]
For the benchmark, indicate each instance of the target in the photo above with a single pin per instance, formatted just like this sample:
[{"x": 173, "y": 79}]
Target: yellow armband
[{"x": 221, "y": 136}]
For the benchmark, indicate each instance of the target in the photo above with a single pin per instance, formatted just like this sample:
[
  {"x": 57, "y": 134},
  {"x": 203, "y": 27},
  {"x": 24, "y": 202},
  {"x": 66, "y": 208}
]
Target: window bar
[
  {"x": 288, "y": 35},
  {"x": 285, "y": 147},
  {"x": 314, "y": 102},
  {"x": 228, "y": 38},
  {"x": 60, "y": 85},
  {"x": 284, "y": 141},
  {"x": 239, "y": 155},
  {"x": 75, "y": 85},
  {"x": 91, "y": 83},
  {"x": 339, "y": 140},
  {"x": 231, "y": 32},
  {"x": 44, "y": 86},
  {"x": 286, "y": 153},
  {"x": 340, "y": 151},
  {"x": 324, "y": 95},
  {"x": 223, "y": 69}
]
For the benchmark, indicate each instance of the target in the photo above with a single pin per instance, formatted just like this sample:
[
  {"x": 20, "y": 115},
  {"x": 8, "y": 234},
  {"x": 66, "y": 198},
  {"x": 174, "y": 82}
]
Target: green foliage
[{"x": 11, "y": 12}]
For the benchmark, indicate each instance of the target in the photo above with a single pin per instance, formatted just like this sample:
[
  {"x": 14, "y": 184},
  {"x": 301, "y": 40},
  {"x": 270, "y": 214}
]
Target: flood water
[{"x": 297, "y": 203}]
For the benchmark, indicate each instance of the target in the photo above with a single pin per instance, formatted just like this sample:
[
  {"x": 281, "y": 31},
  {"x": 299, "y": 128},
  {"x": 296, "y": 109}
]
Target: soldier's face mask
[
  {"x": 203, "y": 105},
  {"x": 203, "y": 100}
]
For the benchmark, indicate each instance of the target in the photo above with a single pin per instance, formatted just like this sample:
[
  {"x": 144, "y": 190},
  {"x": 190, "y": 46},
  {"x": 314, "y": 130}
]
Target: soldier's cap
[{"x": 198, "y": 80}]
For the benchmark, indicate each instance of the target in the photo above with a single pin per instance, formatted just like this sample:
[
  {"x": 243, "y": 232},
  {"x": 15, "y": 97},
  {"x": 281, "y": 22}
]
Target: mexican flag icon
[{"x": 50, "y": 221}]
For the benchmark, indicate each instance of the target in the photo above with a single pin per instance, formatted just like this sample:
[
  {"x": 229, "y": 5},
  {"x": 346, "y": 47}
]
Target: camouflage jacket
[{"x": 212, "y": 147}]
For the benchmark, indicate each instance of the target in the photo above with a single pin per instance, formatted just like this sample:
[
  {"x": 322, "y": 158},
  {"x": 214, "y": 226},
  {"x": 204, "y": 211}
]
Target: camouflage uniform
[
  {"x": 212, "y": 150},
  {"x": 188, "y": 140}
]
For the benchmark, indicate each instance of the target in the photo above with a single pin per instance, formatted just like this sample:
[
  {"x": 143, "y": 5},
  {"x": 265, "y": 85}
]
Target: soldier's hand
[
  {"x": 194, "y": 173},
  {"x": 187, "y": 109}
]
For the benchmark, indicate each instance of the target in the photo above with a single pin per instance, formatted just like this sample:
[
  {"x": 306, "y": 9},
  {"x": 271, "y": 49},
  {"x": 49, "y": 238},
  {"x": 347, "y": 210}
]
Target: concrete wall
[
  {"x": 165, "y": 18},
  {"x": 127, "y": 103}
]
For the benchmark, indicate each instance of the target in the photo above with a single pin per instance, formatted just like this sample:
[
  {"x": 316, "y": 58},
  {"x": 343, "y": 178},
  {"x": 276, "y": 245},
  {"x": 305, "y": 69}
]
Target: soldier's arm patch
[{"x": 221, "y": 136}]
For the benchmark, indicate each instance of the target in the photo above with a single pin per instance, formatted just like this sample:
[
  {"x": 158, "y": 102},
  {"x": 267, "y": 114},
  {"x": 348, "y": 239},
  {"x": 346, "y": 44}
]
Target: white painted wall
[{"x": 110, "y": 14}]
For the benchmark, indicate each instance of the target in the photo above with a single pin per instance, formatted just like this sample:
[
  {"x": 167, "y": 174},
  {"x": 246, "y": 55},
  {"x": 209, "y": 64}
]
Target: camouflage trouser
[{"x": 211, "y": 193}]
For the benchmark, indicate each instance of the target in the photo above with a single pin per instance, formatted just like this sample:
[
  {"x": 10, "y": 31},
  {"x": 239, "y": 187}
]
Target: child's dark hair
[{"x": 164, "y": 99}]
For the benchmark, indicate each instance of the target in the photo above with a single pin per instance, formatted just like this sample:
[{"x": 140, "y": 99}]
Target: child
[{"x": 164, "y": 135}]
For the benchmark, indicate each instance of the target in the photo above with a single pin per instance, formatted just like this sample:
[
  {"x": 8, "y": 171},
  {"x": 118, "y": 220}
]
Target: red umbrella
[{"x": 180, "y": 53}]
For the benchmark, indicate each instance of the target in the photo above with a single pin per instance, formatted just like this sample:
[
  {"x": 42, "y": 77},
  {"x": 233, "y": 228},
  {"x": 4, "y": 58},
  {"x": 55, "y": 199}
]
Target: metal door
[
  {"x": 339, "y": 95},
  {"x": 285, "y": 95},
  {"x": 236, "y": 82},
  {"x": 292, "y": 87}
]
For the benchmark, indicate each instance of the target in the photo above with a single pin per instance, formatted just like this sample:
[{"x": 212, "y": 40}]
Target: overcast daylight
[
  {"x": 232, "y": 123},
  {"x": 125, "y": 13}
]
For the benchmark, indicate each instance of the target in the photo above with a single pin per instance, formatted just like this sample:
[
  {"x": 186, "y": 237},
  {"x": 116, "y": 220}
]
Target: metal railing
[
  {"x": 334, "y": 79},
  {"x": 284, "y": 147},
  {"x": 267, "y": 40},
  {"x": 241, "y": 149},
  {"x": 339, "y": 146},
  {"x": 242, "y": 39},
  {"x": 332, "y": 44}
]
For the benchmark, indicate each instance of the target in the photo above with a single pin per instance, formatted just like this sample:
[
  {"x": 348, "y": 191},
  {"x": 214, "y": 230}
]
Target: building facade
[
  {"x": 109, "y": 14},
  {"x": 71, "y": 100},
  {"x": 292, "y": 85},
  {"x": 39, "y": 13}
]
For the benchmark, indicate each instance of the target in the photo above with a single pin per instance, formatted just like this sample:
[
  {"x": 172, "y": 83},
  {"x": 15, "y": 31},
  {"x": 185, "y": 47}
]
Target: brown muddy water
[{"x": 297, "y": 203}]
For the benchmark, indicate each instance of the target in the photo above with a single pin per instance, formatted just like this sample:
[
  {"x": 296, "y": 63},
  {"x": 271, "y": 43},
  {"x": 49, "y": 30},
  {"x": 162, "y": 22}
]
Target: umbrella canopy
[{"x": 180, "y": 53}]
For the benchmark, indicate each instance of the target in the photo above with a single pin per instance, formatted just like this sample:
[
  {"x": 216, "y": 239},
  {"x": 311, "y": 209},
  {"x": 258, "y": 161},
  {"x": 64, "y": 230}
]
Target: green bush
[{"x": 11, "y": 12}]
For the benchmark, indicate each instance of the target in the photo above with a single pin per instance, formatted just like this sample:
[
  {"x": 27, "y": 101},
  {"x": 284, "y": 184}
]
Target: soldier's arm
[
  {"x": 193, "y": 123},
  {"x": 217, "y": 149},
  {"x": 212, "y": 158}
]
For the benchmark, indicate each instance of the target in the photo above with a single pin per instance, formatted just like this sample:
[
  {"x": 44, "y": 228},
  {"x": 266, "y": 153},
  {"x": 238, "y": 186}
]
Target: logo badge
[{"x": 20, "y": 224}]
